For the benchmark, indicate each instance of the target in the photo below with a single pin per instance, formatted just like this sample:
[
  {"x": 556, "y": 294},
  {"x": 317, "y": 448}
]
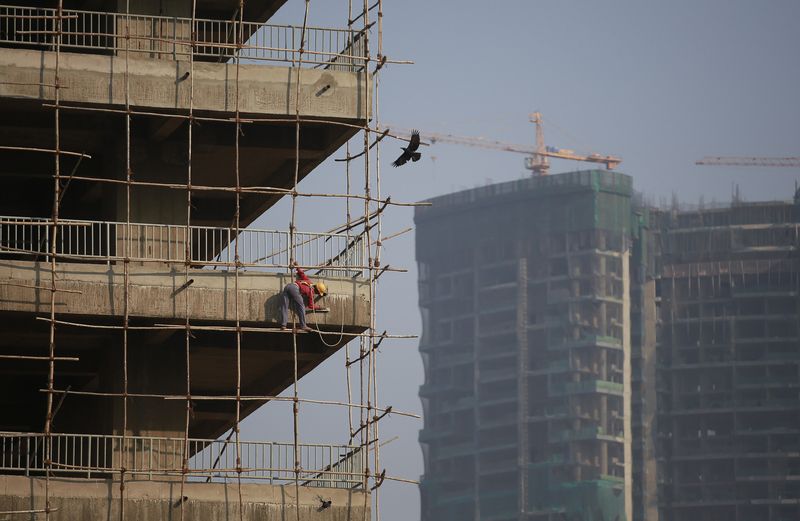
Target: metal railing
[
  {"x": 168, "y": 37},
  {"x": 149, "y": 458},
  {"x": 105, "y": 241}
]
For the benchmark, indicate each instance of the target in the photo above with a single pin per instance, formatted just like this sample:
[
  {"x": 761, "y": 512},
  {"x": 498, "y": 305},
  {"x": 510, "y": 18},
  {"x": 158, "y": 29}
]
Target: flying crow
[{"x": 409, "y": 152}]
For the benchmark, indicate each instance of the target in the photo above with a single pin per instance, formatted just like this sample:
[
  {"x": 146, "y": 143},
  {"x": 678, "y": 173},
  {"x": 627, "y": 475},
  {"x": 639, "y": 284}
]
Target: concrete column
[
  {"x": 153, "y": 368},
  {"x": 151, "y": 205}
]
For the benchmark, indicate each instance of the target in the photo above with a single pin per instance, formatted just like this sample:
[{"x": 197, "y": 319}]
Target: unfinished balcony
[
  {"x": 85, "y": 470},
  {"x": 111, "y": 65},
  {"x": 163, "y": 293}
]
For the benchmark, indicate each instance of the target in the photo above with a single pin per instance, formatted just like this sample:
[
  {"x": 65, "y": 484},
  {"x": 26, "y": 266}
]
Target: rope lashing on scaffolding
[{"x": 383, "y": 270}]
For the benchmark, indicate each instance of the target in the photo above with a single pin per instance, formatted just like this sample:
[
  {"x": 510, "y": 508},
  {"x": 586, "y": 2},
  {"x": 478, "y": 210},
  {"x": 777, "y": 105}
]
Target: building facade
[
  {"x": 526, "y": 346},
  {"x": 590, "y": 357},
  {"x": 728, "y": 363},
  {"x": 140, "y": 314}
]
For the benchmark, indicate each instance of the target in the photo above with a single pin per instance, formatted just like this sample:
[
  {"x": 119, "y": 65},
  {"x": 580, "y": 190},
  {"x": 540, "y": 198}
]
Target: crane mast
[{"x": 538, "y": 162}]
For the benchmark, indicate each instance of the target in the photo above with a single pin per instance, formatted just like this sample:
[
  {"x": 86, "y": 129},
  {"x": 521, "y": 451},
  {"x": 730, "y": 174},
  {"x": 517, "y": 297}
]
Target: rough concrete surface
[
  {"x": 157, "y": 84},
  {"x": 98, "y": 500},
  {"x": 158, "y": 292}
]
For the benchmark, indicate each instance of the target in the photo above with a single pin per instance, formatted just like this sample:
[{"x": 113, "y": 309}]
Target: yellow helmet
[{"x": 321, "y": 288}]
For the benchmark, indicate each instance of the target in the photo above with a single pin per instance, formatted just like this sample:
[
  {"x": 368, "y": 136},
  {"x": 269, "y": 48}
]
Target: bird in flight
[{"x": 409, "y": 152}]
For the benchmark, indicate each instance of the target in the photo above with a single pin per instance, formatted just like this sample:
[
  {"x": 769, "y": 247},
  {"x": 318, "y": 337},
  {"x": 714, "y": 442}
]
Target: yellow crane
[
  {"x": 538, "y": 155},
  {"x": 787, "y": 162}
]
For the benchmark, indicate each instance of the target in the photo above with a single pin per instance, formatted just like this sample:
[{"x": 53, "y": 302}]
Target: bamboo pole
[
  {"x": 370, "y": 413},
  {"x": 187, "y": 266},
  {"x": 53, "y": 237}
]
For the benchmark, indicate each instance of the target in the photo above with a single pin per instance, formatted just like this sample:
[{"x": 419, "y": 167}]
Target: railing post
[
  {"x": 27, "y": 456},
  {"x": 47, "y": 241},
  {"x": 150, "y": 461},
  {"x": 107, "y": 227}
]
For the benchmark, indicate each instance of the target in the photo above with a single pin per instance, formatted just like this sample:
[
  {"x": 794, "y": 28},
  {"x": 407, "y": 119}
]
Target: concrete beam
[
  {"x": 99, "y": 500},
  {"x": 156, "y": 84},
  {"x": 156, "y": 293}
]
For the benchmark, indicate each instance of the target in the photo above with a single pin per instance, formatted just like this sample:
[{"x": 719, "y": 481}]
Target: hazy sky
[{"x": 660, "y": 84}]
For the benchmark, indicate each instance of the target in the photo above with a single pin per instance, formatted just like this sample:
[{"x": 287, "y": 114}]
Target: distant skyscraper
[
  {"x": 590, "y": 358},
  {"x": 729, "y": 364},
  {"x": 525, "y": 296}
]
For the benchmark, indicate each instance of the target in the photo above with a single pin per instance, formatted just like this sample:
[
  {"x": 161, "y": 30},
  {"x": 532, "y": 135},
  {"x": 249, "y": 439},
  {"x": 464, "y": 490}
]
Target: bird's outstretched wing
[
  {"x": 403, "y": 159},
  {"x": 413, "y": 145},
  {"x": 409, "y": 152}
]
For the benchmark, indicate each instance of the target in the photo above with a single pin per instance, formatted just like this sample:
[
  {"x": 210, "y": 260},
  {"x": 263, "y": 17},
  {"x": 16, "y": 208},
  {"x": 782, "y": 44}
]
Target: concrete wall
[
  {"x": 98, "y": 500},
  {"x": 157, "y": 84},
  {"x": 156, "y": 292}
]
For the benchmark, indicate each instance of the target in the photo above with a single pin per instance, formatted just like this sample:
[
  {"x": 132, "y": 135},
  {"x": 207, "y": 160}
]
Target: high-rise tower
[{"x": 525, "y": 297}]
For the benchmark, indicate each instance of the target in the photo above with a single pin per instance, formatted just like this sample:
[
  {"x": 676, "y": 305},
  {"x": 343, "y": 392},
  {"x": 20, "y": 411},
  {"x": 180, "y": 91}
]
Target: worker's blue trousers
[{"x": 291, "y": 294}]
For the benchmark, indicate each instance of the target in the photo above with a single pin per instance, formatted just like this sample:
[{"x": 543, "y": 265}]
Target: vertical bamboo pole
[
  {"x": 48, "y": 425},
  {"x": 370, "y": 342},
  {"x": 236, "y": 260},
  {"x": 126, "y": 268},
  {"x": 292, "y": 230},
  {"x": 188, "y": 261}
]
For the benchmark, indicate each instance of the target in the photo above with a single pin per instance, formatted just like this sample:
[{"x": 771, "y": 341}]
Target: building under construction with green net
[
  {"x": 526, "y": 345},
  {"x": 555, "y": 350}
]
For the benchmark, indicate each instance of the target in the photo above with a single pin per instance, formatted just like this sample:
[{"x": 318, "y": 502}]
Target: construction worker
[{"x": 301, "y": 295}]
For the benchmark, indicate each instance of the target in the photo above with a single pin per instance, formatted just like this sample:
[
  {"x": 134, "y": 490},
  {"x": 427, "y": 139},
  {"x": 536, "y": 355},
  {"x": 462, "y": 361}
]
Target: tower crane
[
  {"x": 790, "y": 162},
  {"x": 538, "y": 154}
]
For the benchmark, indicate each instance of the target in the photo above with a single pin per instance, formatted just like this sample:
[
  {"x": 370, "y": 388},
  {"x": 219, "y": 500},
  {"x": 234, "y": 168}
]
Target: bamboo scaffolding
[
  {"x": 221, "y": 45},
  {"x": 175, "y": 471},
  {"x": 378, "y": 245},
  {"x": 187, "y": 264},
  {"x": 244, "y": 398},
  {"x": 237, "y": 218},
  {"x": 206, "y": 327},
  {"x": 264, "y": 190},
  {"x": 311, "y": 475},
  {"x": 44, "y": 288},
  {"x": 368, "y": 343},
  {"x": 126, "y": 260},
  {"x": 347, "y": 229},
  {"x": 194, "y": 263},
  {"x": 31, "y": 84},
  {"x": 55, "y": 151},
  {"x": 371, "y": 476},
  {"x": 292, "y": 229},
  {"x": 54, "y": 234},
  {"x": 251, "y": 119},
  {"x": 48, "y": 358}
]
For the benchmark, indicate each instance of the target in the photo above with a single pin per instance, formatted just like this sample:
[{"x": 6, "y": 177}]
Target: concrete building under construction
[
  {"x": 728, "y": 363},
  {"x": 585, "y": 360},
  {"x": 139, "y": 311}
]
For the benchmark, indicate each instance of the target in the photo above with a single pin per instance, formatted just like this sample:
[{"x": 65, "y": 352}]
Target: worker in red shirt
[{"x": 300, "y": 294}]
